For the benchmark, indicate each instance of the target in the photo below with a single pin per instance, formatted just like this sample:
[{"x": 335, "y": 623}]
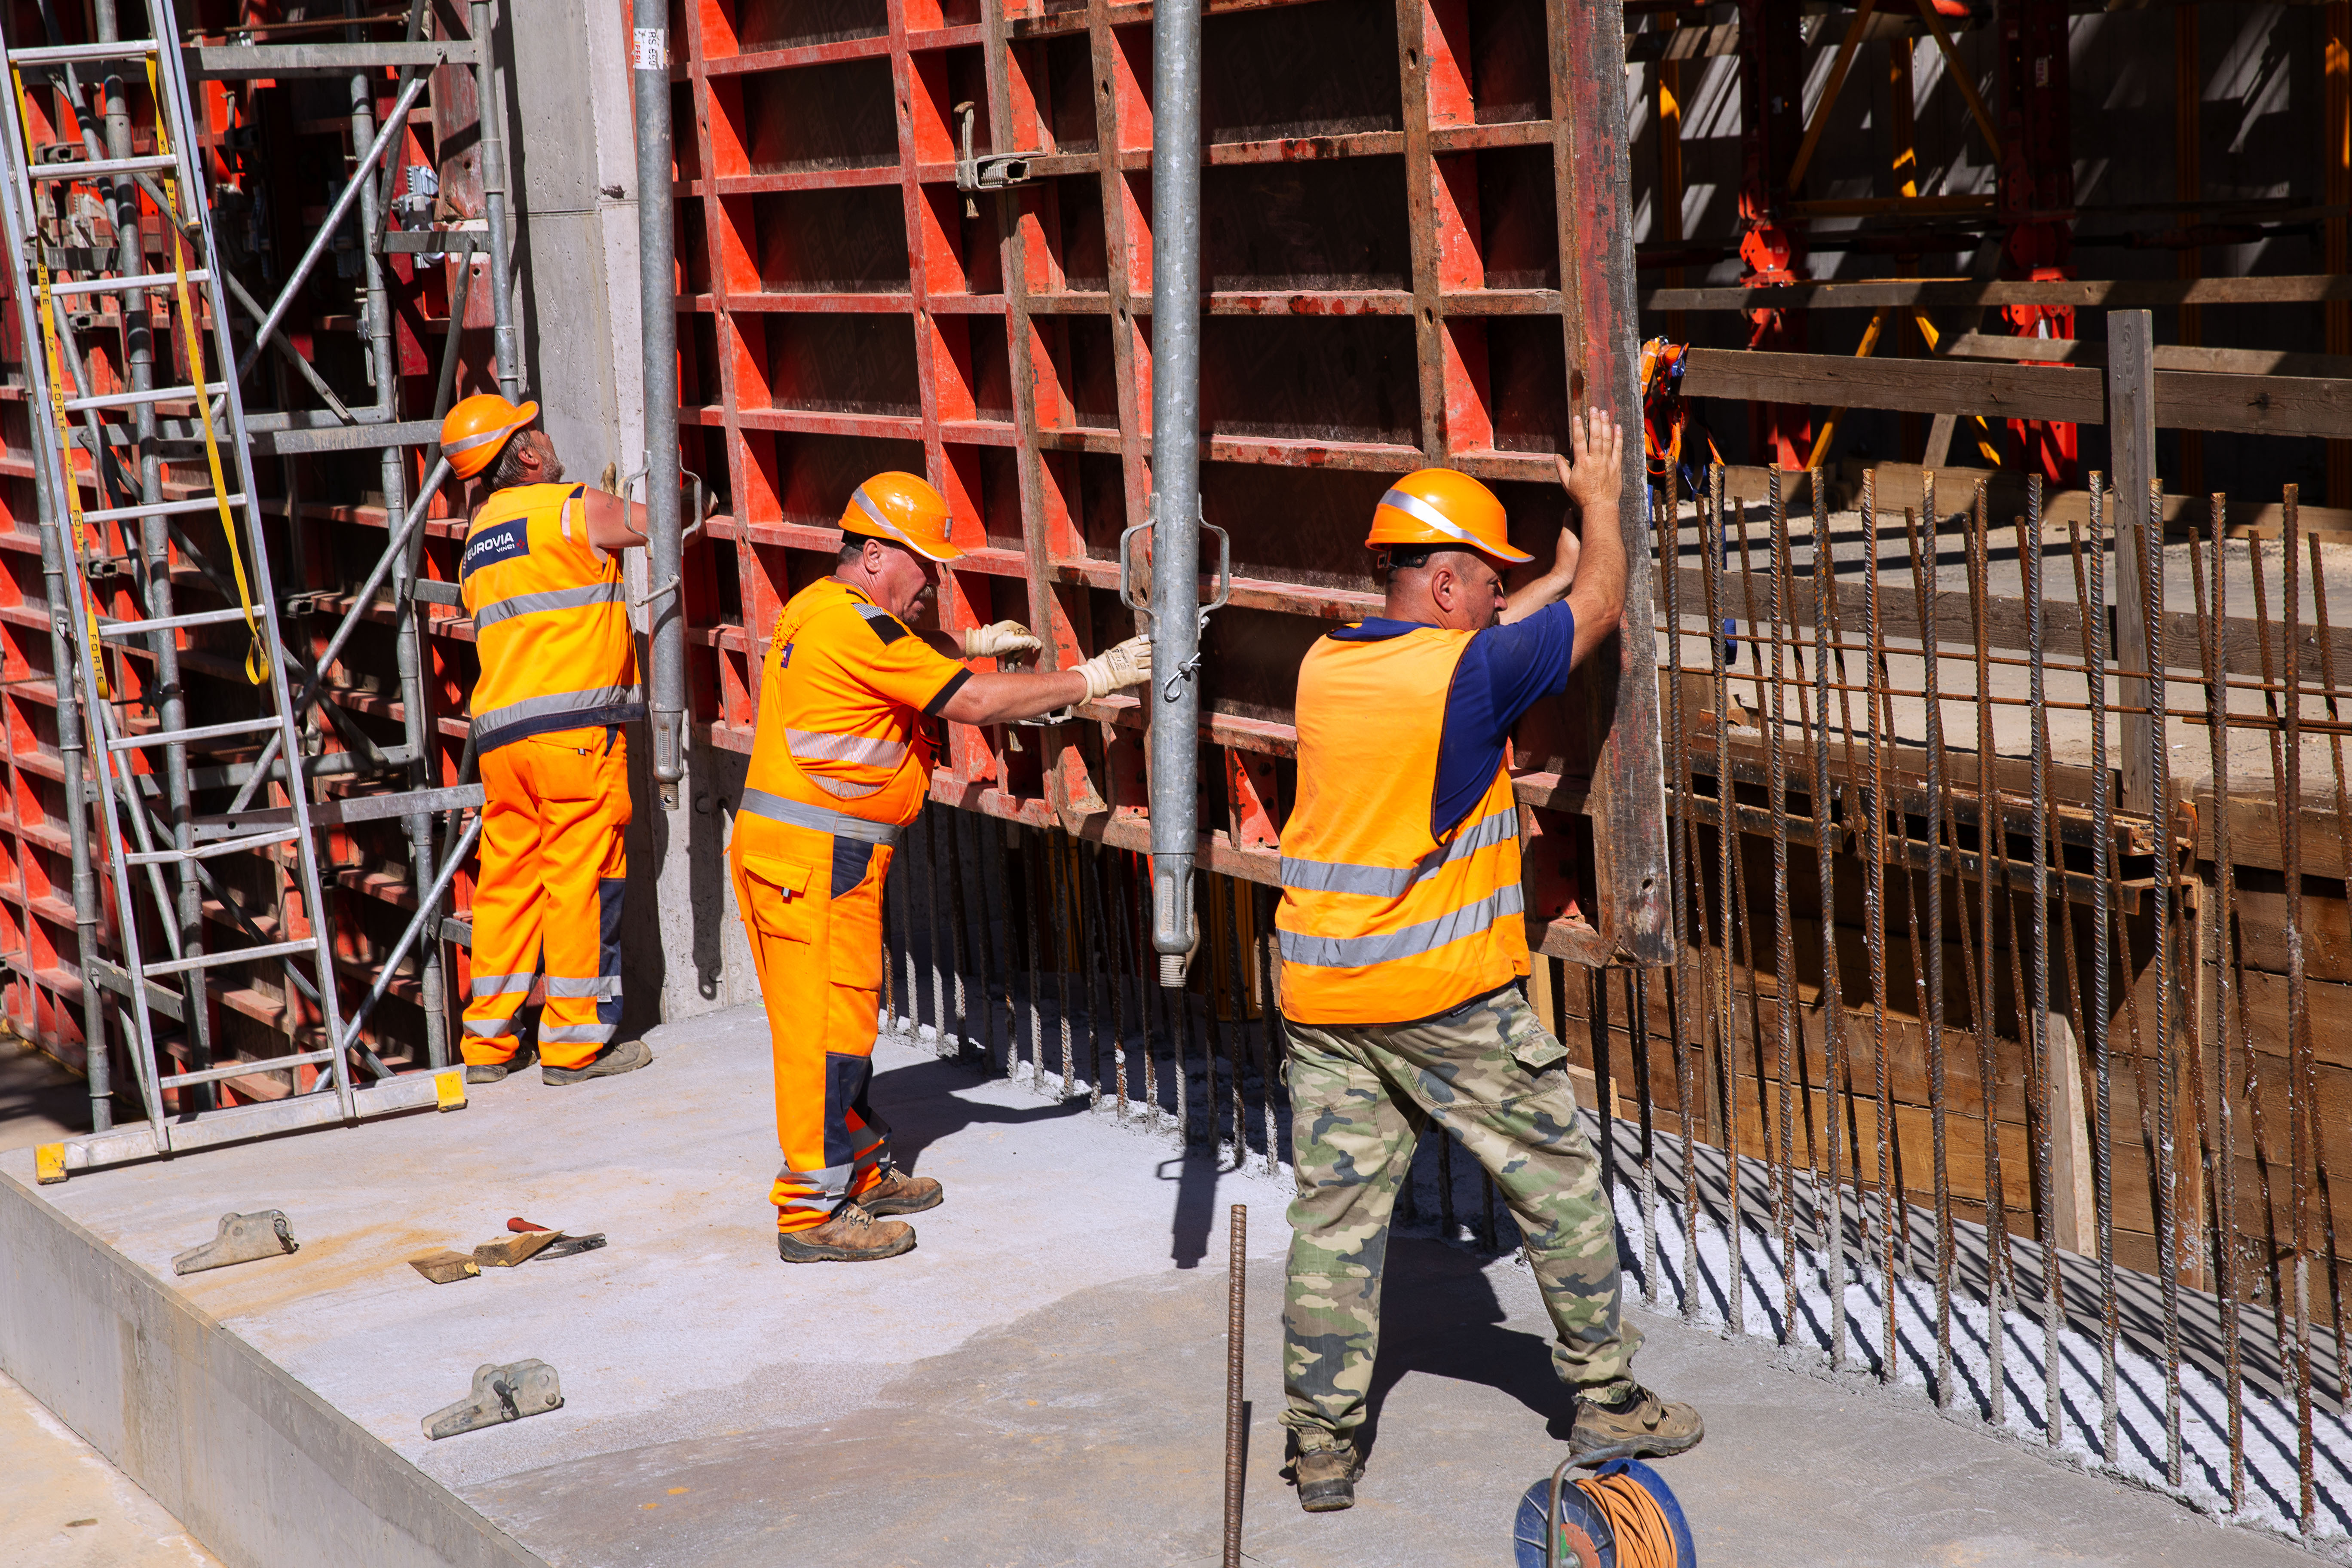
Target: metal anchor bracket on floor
[
  {"x": 243, "y": 1237},
  {"x": 501, "y": 1393}
]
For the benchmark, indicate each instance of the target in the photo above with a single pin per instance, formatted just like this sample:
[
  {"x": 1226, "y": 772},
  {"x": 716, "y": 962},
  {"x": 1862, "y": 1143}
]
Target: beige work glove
[
  {"x": 995, "y": 640},
  {"x": 1127, "y": 664}
]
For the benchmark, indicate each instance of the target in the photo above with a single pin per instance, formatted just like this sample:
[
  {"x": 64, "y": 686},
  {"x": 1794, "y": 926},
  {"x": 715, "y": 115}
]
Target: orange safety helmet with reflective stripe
[
  {"x": 1438, "y": 508},
  {"x": 903, "y": 509},
  {"x": 476, "y": 428}
]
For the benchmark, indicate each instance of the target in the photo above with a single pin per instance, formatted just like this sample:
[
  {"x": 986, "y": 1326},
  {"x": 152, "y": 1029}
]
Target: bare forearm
[
  {"x": 1599, "y": 597},
  {"x": 998, "y": 698},
  {"x": 1533, "y": 595}
]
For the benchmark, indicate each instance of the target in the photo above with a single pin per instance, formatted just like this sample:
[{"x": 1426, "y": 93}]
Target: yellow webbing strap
[
  {"x": 257, "y": 655},
  {"x": 80, "y": 531}
]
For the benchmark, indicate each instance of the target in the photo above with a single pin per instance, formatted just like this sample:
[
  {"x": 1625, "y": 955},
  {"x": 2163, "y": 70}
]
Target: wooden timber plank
[{"x": 1962, "y": 293}]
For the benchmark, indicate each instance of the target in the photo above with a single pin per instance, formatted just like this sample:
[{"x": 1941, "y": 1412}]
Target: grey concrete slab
[{"x": 1040, "y": 1382}]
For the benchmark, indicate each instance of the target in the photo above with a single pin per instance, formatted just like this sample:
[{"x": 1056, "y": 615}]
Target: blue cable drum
[{"x": 1586, "y": 1540}]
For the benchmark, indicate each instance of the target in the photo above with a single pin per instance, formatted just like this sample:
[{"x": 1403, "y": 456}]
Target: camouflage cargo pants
[{"x": 1361, "y": 1095}]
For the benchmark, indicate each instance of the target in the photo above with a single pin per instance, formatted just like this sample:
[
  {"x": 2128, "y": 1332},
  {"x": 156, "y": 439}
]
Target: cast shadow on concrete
[
  {"x": 924, "y": 1103},
  {"x": 1196, "y": 1173},
  {"x": 1440, "y": 1317},
  {"x": 40, "y": 1101}
]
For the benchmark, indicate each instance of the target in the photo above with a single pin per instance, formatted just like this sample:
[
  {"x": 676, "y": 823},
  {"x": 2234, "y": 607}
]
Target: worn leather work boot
[
  {"x": 1327, "y": 1472},
  {"x": 851, "y": 1236},
  {"x": 1626, "y": 1421},
  {"x": 896, "y": 1192},
  {"x": 496, "y": 1072},
  {"x": 625, "y": 1055}
]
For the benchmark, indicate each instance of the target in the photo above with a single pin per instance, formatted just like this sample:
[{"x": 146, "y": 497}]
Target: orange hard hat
[
  {"x": 903, "y": 509},
  {"x": 476, "y": 428},
  {"x": 1442, "y": 509}
]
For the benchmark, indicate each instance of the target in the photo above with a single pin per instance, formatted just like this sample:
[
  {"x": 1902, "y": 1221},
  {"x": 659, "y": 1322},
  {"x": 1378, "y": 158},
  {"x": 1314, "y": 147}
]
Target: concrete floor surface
[
  {"x": 1040, "y": 1383},
  {"x": 63, "y": 1506}
]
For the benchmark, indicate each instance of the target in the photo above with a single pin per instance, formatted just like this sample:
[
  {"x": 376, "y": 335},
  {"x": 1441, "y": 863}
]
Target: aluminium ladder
[{"x": 42, "y": 276}]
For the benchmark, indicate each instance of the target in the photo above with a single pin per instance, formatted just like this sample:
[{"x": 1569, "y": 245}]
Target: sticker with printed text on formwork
[{"x": 652, "y": 49}]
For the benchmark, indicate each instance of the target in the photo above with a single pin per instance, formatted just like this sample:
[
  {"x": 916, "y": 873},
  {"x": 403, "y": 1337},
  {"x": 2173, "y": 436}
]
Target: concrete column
[{"x": 573, "y": 146}]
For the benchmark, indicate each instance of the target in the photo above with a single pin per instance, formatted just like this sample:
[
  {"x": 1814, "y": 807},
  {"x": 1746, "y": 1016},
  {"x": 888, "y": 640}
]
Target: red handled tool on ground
[{"x": 564, "y": 1246}]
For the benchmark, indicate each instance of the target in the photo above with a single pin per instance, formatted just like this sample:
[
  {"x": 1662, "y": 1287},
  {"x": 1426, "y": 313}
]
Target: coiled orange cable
[{"x": 1644, "y": 1538}]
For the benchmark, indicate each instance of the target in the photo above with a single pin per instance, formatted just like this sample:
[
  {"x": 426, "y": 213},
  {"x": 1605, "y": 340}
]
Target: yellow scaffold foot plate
[
  {"x": 448, "y": 1094},
  {"x": 49, "y": 1163}
]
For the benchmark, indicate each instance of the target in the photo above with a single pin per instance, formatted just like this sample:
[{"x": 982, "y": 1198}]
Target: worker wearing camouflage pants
[
  {"x": 1490, "y": 1074},
  {"x": 1404, "y": 941}
]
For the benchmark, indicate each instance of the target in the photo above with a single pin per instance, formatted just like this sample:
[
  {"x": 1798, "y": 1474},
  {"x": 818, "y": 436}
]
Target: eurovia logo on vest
[{"x": 507, "y": 542}]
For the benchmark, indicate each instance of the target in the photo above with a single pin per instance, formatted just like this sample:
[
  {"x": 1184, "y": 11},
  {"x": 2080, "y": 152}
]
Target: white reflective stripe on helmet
[
  {"x": 866, "y": 504},
  {"x": 481, "y": 438},
  {"x": 1413, "y": 506}
]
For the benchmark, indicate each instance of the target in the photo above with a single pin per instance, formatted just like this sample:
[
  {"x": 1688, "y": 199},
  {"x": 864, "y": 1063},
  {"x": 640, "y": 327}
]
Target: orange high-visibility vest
[
  {"x": 842, "y": 745},
  {"x": 550, "y": 620},
  {"x": 1382, "y": 923}
]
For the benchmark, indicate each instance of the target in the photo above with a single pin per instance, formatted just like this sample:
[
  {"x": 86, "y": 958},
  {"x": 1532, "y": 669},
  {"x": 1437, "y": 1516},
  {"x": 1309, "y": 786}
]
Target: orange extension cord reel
[{"x": 1624, "y": 1515}]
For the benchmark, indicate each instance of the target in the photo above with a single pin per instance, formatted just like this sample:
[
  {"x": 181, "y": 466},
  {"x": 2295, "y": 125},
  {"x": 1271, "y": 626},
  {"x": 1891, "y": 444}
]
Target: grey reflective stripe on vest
[
  {"x": 865, "y": 751},
  {"x": 1394, "y": 881},
  {"x": 596, "y": 985},
  {"x": 594, "y": 700},
  {"x": 502, "y": 985},
  {"x": 1386, "y": 947},
  {"x": 515, "y": 605},
  {"x": 800, "y": 813}
]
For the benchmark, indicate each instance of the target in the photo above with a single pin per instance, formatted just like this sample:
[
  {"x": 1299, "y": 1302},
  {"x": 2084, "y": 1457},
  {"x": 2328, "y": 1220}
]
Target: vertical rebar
[
  {"x": 2095, "y": 619},
  {"x": 1726, "y": 840},
  {"x": 1825, "y": 841},
  {"x": 1784, "y": 943},
  {"x": 2344, "y": 868},
  {"x": 1874, "y": 918},
  {"x": 1925, "y": 561},
  {"x": 1668, "y": 518},
  {"x": 1991, "y": 839},
  {"x": 2302, "y": 1075},
  {"x": 2213, "y": 617},
  {"x": 1637, "y": 1002},
  {"x": 2150, "y": 522},
  {"x": 1090, "y": 929},
  {"x": 1236, "y": 1416},
  {"x": 2054, "y": 1309}
]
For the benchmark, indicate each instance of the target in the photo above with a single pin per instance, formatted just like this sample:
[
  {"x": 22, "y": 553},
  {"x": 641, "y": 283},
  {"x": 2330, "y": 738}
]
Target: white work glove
[
  {"x": 1127, "y": 664},
  {"x": 998, "y": 640}
]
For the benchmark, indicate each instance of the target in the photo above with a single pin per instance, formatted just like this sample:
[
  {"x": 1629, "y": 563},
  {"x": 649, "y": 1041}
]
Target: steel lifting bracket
[
  {"x": 243, "y": 1237},
  {"x": 1190, "y": 667},
  {"x": 992, "y": 171},
  {"x": 501, "y": 1393}
]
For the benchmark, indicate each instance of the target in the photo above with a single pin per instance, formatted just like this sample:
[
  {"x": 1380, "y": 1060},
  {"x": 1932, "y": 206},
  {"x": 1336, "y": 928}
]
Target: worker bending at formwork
[
  {"x": 541, "y": 577},
  {"x": 1403, "y": 945},
  {"x": 841, "y": 762}
]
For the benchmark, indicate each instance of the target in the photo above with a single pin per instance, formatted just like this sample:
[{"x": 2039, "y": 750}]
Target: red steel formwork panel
[{"x": 1415, "y": 239}]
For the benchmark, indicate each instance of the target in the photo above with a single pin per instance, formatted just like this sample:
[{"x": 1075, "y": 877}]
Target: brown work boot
[
  {"x": 1326, "y": 1471},
  {"x": 851, "y": 1236},
  {"x": 899, "y": 1194},
  {"x": 496, "y": 1072},
  {"x": 1625, "y": 1421},
  {"x": 623, "y": 1055}
]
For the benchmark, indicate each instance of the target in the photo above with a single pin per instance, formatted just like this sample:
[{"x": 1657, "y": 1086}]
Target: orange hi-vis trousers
[
  {"x": 811, "y": 904},
  {"x": 555, "y": 815}
]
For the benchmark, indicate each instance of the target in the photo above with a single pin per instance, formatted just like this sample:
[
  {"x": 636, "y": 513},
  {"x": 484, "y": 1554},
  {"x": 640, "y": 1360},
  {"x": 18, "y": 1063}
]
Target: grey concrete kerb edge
[{"x": 257, "y": 1467}]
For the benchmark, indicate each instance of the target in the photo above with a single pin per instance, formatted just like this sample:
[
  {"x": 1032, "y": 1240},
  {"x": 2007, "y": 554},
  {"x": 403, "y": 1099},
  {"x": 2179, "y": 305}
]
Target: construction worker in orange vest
[
  {"x": 541, "y": 577},
  {"x": 841, "y": 762},
  {"x": 1403, "y": 945}
]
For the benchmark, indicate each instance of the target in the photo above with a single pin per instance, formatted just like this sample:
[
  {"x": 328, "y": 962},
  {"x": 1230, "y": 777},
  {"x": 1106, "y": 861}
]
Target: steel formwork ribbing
[{"x": 1414, "y": 251}]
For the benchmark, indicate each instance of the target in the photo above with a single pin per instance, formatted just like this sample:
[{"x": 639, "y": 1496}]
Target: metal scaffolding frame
[{"x": 132, "y": 473}]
